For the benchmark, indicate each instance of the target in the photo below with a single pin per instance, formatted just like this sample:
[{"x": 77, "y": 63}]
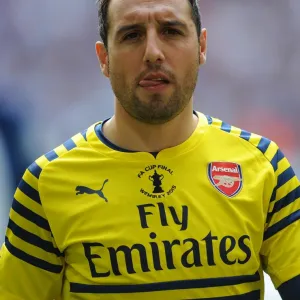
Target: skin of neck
[{"x": 128, "y": 133}]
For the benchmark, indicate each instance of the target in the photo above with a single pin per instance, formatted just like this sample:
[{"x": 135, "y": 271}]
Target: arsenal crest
[{"x": 226, "y": 177}]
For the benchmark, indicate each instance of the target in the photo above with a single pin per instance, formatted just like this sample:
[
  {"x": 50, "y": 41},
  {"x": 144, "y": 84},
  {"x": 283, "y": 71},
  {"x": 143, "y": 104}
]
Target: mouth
[
  {"x": 154, "y": 85},
  {"x": 155, "y": 82}
]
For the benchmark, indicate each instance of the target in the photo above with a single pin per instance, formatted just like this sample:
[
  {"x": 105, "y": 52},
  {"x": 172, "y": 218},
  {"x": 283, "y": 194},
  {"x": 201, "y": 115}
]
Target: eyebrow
[{"x": 171, "y": 23}]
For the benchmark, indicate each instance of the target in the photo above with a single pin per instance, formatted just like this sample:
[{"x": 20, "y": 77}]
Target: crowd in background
[{"x": 51, "y": 86}]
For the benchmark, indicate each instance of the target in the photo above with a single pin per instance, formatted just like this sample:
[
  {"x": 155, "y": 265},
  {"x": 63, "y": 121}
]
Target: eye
[
  {"x": 131, "y": 36},
  {"x": 171, "y": 31}
]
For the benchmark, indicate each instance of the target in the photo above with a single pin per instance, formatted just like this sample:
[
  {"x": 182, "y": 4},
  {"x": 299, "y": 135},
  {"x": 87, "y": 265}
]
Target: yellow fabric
[{"x": 200, "y": 220}]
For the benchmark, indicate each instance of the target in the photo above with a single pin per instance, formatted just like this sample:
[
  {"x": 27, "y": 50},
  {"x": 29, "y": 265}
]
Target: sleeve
[
  {"x": 31, "y": 265},
  {"x": 290, "y": 290},
  {"x": 280, "y": 252}
]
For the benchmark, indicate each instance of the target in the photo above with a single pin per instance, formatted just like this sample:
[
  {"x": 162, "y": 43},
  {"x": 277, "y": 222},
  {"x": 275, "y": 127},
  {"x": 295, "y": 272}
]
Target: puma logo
[{"x": 80, "y": 190}]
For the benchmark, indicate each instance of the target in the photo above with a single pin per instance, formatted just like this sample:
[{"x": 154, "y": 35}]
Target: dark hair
[{"x": 103, "y": 6}]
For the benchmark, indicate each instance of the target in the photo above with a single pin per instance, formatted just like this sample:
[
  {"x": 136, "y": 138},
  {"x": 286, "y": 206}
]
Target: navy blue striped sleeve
[
  {"x": 280, "y": 250},
  {"x": 30, "y": 256}
]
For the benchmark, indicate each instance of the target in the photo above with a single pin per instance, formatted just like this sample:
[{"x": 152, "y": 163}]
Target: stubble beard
[{"x": 155, "y": 109}]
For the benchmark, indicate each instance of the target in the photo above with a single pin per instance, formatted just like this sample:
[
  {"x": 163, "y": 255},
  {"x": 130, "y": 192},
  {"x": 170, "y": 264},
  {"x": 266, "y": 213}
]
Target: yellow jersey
[{"x": 201, "y": 220}]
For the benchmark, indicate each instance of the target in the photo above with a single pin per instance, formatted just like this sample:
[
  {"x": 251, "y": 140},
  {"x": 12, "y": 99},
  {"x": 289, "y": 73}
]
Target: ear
[
  {"x": 203, "y": 46},
  {"x": 102, "y": 55}
]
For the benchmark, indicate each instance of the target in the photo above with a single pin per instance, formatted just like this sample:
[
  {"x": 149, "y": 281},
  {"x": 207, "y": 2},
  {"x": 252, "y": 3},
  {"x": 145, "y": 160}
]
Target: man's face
[{"x": 153, "y": 57}]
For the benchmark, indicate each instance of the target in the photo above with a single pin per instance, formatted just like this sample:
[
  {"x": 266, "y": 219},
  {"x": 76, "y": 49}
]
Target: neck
[{"x": 131, "y": 134}]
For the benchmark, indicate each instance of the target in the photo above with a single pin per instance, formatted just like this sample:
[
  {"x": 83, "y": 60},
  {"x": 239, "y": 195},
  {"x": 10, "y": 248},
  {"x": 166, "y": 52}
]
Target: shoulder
[
  {"x": 71, "y": 147},
  {"x": 262, "y": 147}
]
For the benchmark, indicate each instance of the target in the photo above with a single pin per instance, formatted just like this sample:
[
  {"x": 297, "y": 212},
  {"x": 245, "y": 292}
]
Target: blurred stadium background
[{"x": 51, "y": 86}]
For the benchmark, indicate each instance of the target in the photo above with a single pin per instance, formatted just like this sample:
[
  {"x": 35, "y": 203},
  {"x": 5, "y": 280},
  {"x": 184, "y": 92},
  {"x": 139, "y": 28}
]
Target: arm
[
  {"x": 280, "y": 250},
  {"x": 290, "y": 290},
  {"x": 31, "y": 265}
]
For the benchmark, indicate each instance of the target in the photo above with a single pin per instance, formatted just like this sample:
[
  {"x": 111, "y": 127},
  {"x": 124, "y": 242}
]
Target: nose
[{"x": 153, "y": 50}]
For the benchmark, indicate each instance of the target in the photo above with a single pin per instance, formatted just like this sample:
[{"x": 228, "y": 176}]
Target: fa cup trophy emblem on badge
[{"x": 157, "y": 182}]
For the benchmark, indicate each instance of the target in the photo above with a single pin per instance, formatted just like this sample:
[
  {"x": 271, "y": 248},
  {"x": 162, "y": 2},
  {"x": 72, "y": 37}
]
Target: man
[{"x": 158, "y": 202}]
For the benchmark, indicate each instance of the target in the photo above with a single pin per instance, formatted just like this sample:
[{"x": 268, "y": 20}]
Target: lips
[
  {"x": 154, "y": 79},
  {"x": 147, "y": 83}
]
